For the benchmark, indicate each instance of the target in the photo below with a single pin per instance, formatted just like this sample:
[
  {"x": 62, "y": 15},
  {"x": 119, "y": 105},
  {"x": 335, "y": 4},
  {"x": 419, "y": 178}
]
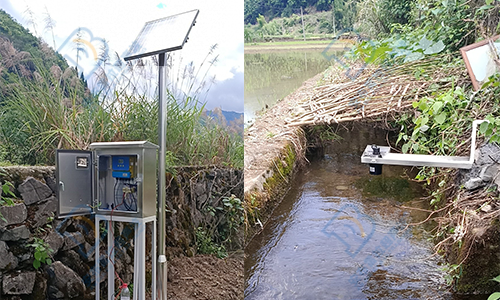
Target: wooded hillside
[{"x": 23, "y": 55}]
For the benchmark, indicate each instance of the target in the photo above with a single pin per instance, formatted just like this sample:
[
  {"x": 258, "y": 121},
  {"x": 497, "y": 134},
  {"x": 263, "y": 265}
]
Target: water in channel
[
  {"x": 270, "y": 76},
  {"x": 339, "y": 234}
]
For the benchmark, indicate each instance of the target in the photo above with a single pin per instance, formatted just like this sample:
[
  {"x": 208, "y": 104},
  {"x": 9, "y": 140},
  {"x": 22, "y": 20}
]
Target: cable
[
  {"x": 102, "y": 189},
  {"x": 125, "y": 203},
  {"x": 135, "y": 201},
  {"x": 125, "y": 198},
  {"x": 132, "y": 186},
  {"x": 114, "y": 195},
  {"x": 111, "y": 251},
  {"x": 129, "y": 198},
  {"x": 113, "y": 234}
]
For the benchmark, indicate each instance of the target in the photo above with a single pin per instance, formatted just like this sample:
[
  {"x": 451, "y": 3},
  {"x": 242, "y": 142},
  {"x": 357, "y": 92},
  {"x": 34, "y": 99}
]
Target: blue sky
[{"x": 119, "y": 22}]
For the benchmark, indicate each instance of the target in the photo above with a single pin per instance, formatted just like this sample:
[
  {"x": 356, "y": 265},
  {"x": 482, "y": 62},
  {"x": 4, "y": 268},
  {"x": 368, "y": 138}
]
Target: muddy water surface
[
  {"x": 271, "y": 75},
  {"x": 340, "y": 234}
]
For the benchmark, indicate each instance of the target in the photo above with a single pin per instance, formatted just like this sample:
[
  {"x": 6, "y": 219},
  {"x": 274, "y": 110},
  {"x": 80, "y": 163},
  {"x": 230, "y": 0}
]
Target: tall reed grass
[{"x": 54, "y": 111}]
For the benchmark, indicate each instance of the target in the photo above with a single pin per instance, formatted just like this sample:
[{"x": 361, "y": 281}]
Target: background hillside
[
  {"x": 24, "y": 55},
  {"x": 267, "y": 20},
  {"x": 343, "y": 11},
  {"x": 15, "y": 36},
  {"x": 233, "y": 120}
]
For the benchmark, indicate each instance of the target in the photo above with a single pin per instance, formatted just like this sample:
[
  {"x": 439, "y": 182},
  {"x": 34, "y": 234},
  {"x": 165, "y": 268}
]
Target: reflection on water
[
  {"x": 271, "y": 76},
  {"x": 326, "y": 240}
]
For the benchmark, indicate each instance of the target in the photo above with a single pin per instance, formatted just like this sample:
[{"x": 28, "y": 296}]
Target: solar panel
[{"x": 163, "y": 35}]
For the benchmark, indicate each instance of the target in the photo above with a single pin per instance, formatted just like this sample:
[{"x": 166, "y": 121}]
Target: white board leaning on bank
[{"x": 482, "y": 60}]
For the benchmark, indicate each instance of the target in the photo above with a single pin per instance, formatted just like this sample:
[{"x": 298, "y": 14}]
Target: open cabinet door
[{"x": 74, "y": 171}]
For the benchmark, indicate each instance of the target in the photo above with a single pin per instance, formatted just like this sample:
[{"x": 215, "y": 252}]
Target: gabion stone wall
[{"x": 31, "y": 223}]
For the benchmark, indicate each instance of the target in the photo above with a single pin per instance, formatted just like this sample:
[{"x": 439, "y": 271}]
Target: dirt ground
[{"x": 205, "y": 277}]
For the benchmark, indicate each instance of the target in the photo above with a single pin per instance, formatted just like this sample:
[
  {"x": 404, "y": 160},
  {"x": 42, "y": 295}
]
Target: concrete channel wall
[
  {"x": 31, "y": 223},
  {"x": 273, "y": 154},
  {"x": 275, "y": 151}
]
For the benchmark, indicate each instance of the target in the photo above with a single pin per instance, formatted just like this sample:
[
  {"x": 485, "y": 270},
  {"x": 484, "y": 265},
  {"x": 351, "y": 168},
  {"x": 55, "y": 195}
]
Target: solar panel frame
[{"x": 146, "y": 42}]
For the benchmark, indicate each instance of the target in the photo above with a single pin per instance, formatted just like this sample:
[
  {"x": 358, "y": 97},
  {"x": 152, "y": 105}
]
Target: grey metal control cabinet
[{"x": 114, "y": 178}]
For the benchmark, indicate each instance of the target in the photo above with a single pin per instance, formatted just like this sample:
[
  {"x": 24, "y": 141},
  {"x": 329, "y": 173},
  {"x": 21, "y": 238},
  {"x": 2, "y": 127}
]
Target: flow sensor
[{"x": 377, "y": 156}]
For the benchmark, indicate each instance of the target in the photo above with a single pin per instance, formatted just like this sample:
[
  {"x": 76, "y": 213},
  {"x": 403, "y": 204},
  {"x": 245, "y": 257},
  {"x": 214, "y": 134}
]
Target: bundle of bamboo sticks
[{"x": 376, "y": 91}]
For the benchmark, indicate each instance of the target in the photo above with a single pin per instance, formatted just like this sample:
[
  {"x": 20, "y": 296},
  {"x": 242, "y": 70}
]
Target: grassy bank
[
  {"x": 313, "y": 24},
  {"x": 332, "y": 45},
  {"x": 39, "y": 116}
]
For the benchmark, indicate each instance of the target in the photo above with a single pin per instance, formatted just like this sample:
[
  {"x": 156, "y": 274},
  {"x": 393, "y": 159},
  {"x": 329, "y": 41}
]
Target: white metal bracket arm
[{"x": 383, "y": 156}]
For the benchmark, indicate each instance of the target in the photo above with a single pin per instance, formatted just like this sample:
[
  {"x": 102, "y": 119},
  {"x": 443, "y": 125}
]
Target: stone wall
[
  {"x": 478, "y": 240},
  {"x": 486, "y": 168},
  {"x": 190, "y": 194},
  {"x": 32, "y": 218}
]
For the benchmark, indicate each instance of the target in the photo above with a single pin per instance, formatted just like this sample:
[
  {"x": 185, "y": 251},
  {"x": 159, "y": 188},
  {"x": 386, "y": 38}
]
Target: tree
[
  {"x": 251, "y": 8},
  {"x": 261, "y": 21},
  {"x": 395, "y": 11}
]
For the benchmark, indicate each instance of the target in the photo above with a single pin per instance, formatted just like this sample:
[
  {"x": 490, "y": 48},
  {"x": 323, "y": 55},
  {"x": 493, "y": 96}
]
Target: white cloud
[{"x": 227, "y": 94}]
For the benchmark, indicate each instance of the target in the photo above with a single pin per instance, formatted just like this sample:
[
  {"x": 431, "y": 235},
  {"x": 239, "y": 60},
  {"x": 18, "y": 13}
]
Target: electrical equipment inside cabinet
[{"x": 118, "y": 182}]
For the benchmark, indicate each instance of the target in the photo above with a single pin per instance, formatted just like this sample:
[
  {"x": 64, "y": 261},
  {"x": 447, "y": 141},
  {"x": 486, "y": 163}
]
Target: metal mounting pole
[{"x": 161, "y": 286}]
